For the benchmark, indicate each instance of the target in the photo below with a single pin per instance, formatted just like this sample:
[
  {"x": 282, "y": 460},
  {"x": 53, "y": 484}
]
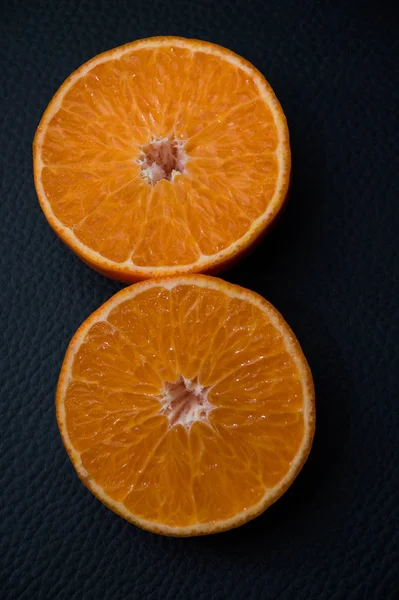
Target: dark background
[{"x": 330, "y": 266}]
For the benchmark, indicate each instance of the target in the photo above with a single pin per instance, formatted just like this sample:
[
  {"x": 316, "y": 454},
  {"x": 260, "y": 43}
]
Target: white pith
[
  {"x": 204, "y": 261},
  {"x": 184, "y": 402},
  {"x": 162, "y": 158}
]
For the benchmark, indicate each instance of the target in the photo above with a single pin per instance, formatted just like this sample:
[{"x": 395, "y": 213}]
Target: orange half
[
  {"x": 186, "y": 405},
  {"x": 161, "y": 157}
]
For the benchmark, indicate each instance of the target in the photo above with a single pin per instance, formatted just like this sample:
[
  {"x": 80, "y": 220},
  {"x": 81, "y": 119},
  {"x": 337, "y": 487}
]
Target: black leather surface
[{"x": 330, "y": 266}]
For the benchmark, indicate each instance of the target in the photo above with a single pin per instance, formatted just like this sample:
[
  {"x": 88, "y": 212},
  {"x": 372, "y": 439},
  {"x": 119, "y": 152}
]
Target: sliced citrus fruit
[
  {"x": 161, "y": 157},
  {"x": 186, "y": 404}
]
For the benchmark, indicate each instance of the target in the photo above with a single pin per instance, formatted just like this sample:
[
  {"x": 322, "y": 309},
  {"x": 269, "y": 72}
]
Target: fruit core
[
  {"x": 185, "y": 401},
  {"x": 162, "y": 159}
]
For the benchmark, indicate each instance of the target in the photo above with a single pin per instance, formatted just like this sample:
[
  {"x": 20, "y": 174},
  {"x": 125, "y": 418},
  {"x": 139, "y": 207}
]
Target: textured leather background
[{"x": 330, "y": 266}]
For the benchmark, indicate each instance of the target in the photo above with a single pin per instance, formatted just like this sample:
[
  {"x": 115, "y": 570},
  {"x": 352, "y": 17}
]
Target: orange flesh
[
  {"x": 91, "y": 174},
  {"x": 208, "y": 470}
]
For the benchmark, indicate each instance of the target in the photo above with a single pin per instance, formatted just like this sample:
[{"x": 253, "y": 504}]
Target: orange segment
[
  {"x": 163, "y": 156},
  {"x": 219, "y": 470},
  {"x": 106, "y": 227},
  {"x": 212, "y": 89},
  {"x": 79, "y": 192},
  {"x": 166, "y": 232},
  {"x": 164, "y": 488},
  {"x": 186, "y": 404}
]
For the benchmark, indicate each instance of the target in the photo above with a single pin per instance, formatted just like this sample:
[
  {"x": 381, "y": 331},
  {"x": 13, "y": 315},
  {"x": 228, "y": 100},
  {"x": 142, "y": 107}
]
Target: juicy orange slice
[
  {"x": 161, "y": 157},
  {"x": 186, "y": 405}
]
